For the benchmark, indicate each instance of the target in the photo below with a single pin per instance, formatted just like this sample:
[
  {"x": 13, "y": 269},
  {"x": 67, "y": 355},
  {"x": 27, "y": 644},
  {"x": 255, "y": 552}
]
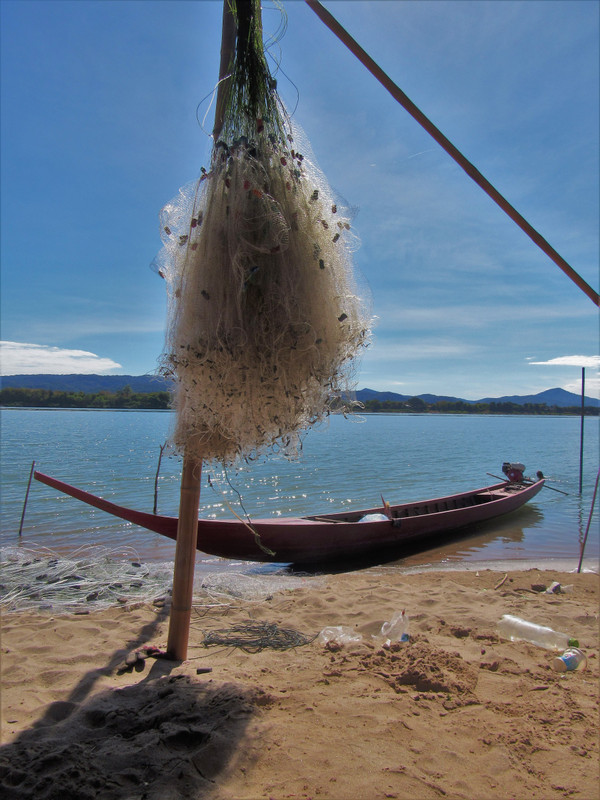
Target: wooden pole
[
  {"x": 227, "y": 49},
  {"x": 452, "y": 151},
  {"x": 187, "y": 527},
  {"x": 185, "y": 560},
  {"x": 581, "y": 430}
]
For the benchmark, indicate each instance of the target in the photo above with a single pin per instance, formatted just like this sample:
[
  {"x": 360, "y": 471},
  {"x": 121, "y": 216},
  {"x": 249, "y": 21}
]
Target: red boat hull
[{"x": 317, "y": 539}]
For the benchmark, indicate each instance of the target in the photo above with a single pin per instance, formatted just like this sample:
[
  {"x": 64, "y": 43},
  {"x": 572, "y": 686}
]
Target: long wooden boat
[{"x": 323, "y": 538}]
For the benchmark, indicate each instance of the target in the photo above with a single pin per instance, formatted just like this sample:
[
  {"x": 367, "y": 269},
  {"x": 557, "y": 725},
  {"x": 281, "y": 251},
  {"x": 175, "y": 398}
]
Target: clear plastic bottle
[
  {"x": 573, "y": 658},
  {"x": 514, "y": 628},
  {"x": 397, "y": 629},
  {"x": 339, "y": 634}
]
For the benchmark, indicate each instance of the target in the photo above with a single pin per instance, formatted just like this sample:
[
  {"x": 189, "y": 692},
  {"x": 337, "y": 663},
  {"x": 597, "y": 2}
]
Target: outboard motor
[{"x": 513, "y": 471}]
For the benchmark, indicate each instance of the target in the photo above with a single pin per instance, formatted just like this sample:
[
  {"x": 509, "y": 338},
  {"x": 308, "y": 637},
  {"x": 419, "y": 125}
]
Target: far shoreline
[{"x": 589, "y": 411}]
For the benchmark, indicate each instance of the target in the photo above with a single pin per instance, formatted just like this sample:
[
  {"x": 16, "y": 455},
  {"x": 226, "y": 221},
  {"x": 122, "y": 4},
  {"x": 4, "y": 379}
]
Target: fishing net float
[{"x": 264, "y": 317}]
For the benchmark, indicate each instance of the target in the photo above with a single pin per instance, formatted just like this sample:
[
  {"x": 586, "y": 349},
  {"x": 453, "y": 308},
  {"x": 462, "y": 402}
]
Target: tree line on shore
[
  {"x": 418, "y": 405},
  {"x": 125, "y": 398},
  {"x": 47, "y": 398}
]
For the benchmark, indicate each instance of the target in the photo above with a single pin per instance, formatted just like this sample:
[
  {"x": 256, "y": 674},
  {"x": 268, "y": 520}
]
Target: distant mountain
[
  {"x": 87, "y": 383},
  {"x": 153, "y": 383},
  {"x": 370, "y": 394},
  {"x": 551, "y": 397}
]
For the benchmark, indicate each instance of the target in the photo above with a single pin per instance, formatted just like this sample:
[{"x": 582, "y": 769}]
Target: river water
[{"x": 345, "y": 463}]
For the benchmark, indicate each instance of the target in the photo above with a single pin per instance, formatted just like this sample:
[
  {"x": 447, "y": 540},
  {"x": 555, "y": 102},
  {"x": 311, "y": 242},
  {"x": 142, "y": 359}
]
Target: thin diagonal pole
[{"x": 453, "y": 151}]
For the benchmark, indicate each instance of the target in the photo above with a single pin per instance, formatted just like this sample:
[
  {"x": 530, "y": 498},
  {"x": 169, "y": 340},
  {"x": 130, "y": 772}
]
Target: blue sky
[{"x": 99, "y": 130}]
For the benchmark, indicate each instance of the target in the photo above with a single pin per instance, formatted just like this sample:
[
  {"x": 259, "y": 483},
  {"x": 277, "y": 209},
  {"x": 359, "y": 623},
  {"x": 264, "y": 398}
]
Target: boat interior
[{"x": 415, "y": 509}]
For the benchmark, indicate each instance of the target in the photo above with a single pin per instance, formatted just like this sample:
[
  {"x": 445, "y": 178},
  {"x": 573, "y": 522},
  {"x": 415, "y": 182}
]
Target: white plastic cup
[{"x": 573, "y": 658}]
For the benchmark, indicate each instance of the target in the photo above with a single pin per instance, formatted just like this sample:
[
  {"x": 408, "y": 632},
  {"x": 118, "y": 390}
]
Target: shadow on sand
[{"x": 166, "y": 737}]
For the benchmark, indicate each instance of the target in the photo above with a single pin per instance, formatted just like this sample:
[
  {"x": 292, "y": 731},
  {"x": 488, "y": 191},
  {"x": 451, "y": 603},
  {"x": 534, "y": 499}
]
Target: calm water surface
[{"x": 346, "y": 463}]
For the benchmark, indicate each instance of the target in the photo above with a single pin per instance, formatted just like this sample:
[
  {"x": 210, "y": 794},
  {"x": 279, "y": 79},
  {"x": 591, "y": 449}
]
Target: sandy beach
[{"x": 455, "y": 712}]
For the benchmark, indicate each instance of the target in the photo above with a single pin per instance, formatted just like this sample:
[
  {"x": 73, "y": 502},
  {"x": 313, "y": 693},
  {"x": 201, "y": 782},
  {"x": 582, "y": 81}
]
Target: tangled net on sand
[
  {"x": 264, "y": 318},
  {"x": 236, "y": 585},
  {"x": 90, "y": 578}
]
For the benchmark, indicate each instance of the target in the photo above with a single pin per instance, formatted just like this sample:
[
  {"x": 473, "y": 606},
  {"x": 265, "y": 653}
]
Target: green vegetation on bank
[
  {"x": 418, "y": 405},
  {"x": 125, "y": 398}
]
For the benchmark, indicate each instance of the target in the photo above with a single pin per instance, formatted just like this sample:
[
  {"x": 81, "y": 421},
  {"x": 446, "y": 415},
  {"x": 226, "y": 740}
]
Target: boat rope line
[
  {"x": 247, "y": 522},
  {"x": 397, "y": 93}
]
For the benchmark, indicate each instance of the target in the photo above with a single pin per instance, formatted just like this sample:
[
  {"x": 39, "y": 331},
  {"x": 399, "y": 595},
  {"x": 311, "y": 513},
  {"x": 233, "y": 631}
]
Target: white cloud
[
  {"x": 20, "y": 358},
  {"x": 421, "y": 350},
  {"x": 571, "y": 361},
  {"x": 592, "y": 387},
  {"x": 472, "y": 316}
]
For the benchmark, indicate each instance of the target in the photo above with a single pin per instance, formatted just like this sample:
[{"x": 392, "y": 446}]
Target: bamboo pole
[
  {"x": 187, "y": 526},
  {"x": 227, "y": 48},
  {"x": 452, "y": 151},
  {"x": 185, "y": 559}
]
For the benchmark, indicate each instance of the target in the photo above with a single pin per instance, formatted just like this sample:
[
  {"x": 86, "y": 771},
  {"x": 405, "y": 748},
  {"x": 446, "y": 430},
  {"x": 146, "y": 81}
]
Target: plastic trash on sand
[
  {"x": 515, "y": 628},
  {"x": 573, "y": 658},
  {"x": 339, "y": 634},
  {"x": 396, "y": 630}
]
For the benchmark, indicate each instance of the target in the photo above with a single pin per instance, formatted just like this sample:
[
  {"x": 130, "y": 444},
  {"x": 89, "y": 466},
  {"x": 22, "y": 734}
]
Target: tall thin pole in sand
[
  {"x": 187, "y": 527},
  {"x": 589, "y": 522},
  {"x": 581, "y": 430}
]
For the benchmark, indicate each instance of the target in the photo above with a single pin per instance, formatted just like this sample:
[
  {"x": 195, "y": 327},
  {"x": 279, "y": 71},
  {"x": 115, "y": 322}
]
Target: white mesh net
[{"x": 264, "y": 319}]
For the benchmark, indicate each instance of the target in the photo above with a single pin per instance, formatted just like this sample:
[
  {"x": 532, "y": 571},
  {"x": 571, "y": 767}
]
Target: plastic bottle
[
  {"x": 514, "y": 628},
  {"x": 572, "y": 658},
  {"x": 339, "y": 634},
  {"x": 397, "y": 629}
]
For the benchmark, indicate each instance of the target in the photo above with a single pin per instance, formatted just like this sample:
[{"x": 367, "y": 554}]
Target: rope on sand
[{"x": 253, "y": 636}]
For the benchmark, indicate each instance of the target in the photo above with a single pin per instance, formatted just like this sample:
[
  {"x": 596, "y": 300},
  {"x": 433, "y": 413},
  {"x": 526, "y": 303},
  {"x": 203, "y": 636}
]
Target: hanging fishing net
[{"x": 264, "y": 317}]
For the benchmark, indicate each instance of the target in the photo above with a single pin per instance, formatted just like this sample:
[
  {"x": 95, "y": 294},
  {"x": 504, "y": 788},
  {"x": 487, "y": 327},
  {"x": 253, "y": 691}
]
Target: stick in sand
[
  {"x": 162, "y": 447},
  {"x": 587, "y": 530},
  {"x": 26, "y": 498}
]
